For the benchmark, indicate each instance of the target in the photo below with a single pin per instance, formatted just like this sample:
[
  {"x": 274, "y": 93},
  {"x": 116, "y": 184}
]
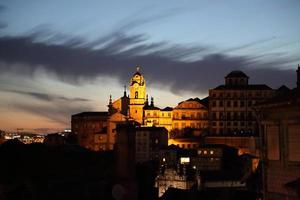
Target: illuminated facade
[
  {"x": 191, "y": 113},
  {"x": 230, "y": 105}
]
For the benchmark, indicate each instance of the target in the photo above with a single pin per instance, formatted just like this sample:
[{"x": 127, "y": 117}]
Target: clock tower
[{"x": 137, "y": 96}]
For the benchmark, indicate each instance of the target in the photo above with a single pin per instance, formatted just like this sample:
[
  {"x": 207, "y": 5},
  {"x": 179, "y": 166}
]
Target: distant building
[
  {"x": 280, "y": 127},
  {"x": 230, "y": 105},
  {"x": 88, "y": 126},
  {"x": 215, "y": 157},
  {"x": 145, "y": 141},
  {"x": 148, "y": 142},
  {"x": 207, "y": 167},
  {"x": 246, "y": 144},
  {"x": 54, "y": 139}
]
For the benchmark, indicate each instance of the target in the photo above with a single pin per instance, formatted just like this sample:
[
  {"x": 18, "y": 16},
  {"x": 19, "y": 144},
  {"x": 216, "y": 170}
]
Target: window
[
  {"x": 136, "y": 95},
  {"x": 242, "y": 103},
  {"x": 221, "y": 103},
  {"x": 176, "y": 125},
  {"x": 242, "y": 116},
  {"x": 235, "y": 116},
  {"x": 192, "y": 116},
  {"x": 228, "y": 116},
  {"x": 235, "y": 104},
  {"x": 228, "y": 103},
  {"x": 214, "y": 104},
  {"x": 214, "y": 115},
  {"x": 249, "y": 103}
]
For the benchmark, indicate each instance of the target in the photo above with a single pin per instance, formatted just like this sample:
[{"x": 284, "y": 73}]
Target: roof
[
  {"x": 150, "y": 107},
  {"x": 289, "y": 97},
  {"x": 167, "y": 109},
  {"x": 243, "y": 87},
  {"x": 236, "y": 74},
  {"x": 91, "y": 114},
  {"x": 203, "y": 102}
]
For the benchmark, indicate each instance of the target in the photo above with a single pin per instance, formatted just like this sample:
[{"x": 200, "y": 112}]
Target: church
[{"x": 97, "y": 130}]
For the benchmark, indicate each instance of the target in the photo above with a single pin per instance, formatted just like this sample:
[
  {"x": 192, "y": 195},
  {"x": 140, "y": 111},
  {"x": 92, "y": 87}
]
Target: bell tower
[{"x": 137, "y": 96}]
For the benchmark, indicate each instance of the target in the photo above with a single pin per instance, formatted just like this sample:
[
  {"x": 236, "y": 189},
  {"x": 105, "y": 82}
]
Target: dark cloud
[
  {"x": 47, "y": 97},
  {"x": 58, "y": 112},
  {"x": 192, "y": 68}
]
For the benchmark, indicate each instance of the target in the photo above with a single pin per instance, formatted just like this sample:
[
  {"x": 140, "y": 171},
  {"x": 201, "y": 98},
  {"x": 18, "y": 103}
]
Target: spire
[
  {"x": 152, "y": 102},
  {"x": 110, "y": 100},
  {"x": 137, "y": 68},
  {"x": 124, "y": 90},
  {"x": 146, "y": 102}
]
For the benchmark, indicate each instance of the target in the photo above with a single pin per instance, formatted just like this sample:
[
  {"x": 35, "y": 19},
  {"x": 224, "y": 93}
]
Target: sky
[{"x": 61, "y": 57}]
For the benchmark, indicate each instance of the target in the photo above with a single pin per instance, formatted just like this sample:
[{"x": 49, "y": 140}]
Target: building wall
[
  {"x": 231, "y": 110},
  {"x": 159, "y": 118},
  {"x": 190, "y": 114},
  {"x": 86, "y": 126},
  {"x": 148, "y": 142},
  {"x": 281, "y": 130}
]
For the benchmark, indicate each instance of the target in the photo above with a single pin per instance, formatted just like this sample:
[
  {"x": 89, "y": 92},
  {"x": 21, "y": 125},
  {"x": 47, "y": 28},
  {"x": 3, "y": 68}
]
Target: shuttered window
[
  {"x": 273, "y": 142},
  {"x": 293, "y": 143}
]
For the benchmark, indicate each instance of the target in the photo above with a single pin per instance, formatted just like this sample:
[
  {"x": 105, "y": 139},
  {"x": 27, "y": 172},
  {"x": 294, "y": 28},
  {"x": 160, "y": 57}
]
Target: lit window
[
  {"x": 205, "y": 152},
  {"x": 164, "y": 159},
  {"x": 199, "y": 152},
  {"x": 211, "y": 152},
  {"x": 184, "y": 160}
]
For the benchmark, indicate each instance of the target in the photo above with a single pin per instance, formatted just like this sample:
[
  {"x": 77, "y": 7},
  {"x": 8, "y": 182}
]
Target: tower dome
[
  {"x": 237, "y": 78},
  {"x": 137, "y": 78}
]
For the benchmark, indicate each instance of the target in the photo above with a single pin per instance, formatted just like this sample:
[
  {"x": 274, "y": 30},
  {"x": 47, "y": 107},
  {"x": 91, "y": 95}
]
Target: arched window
[{"x": 136, "y": 95}]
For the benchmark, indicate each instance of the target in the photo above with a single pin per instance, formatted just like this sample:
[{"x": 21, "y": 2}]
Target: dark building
[
  {"x": 230, "y": 105},
  {"x": 280, "y": 133},
  {"x": 91, "y": 129}
]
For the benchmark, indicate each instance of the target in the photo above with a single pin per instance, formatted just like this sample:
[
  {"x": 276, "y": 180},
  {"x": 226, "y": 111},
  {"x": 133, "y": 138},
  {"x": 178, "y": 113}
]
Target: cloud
[
  {"x": 56, "y": 112},
  {"x": 183, "y": 68},
  {"x": 46, "y": 97}
]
